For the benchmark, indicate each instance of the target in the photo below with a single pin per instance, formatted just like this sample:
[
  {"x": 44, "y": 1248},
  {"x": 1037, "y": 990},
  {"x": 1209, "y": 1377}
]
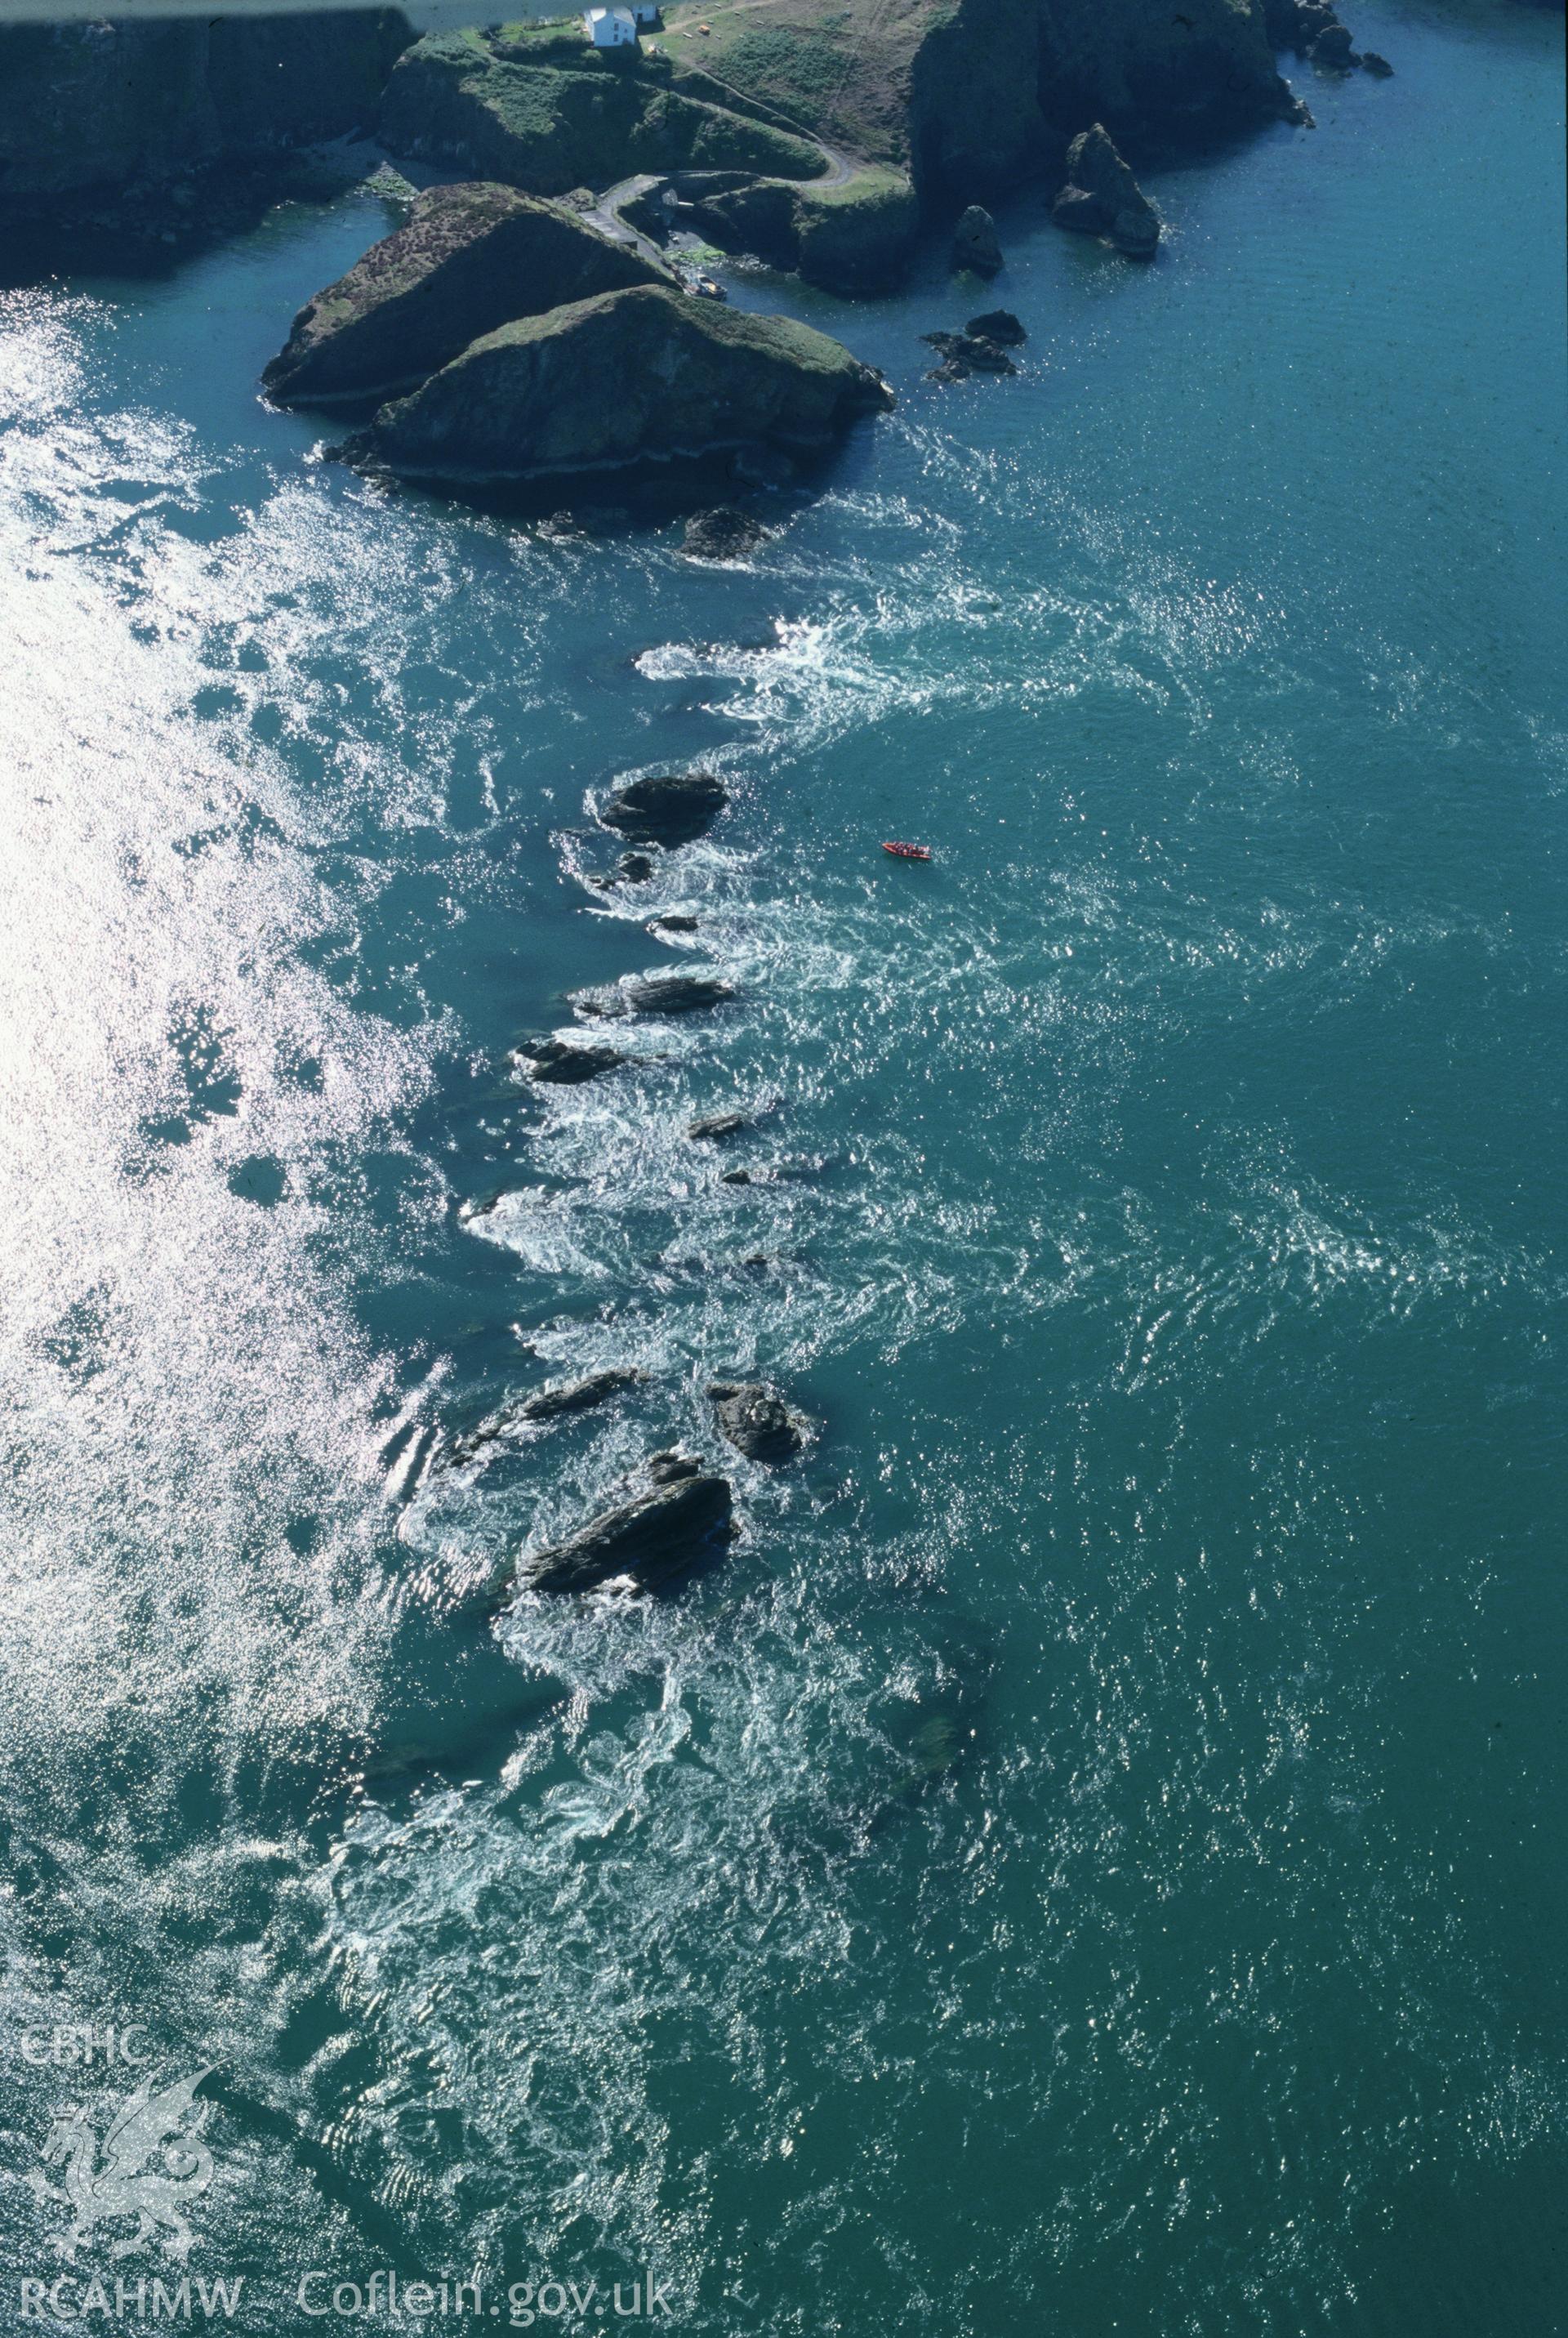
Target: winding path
[
  {"x": 606, "y": 217},
  {"x": 605, "y": 213}
]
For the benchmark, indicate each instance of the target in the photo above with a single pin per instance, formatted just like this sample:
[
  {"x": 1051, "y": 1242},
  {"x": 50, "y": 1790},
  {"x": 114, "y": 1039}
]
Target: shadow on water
[
  {"x": 145, "y": 233},
  {"x": 632, "y": 501}
]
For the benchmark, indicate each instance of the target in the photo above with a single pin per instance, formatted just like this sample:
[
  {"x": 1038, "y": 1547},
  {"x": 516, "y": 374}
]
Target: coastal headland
[{"x": 820, "y": 138}]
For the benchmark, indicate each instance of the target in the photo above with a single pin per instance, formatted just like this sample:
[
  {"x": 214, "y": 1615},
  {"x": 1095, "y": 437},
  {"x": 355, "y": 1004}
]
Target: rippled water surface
[{"x": 1091, "y": 1858}]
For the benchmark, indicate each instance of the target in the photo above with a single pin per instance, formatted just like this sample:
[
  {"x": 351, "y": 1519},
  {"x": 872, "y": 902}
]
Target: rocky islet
[
  {"x": 565, "y": 1063},
  {"x": 755, "y": 1419},
  {"x": 665, "y": 807},
  {"x": 694, "y": 381},
  {"x": 1102, "y": 198},
  {"x": 651, "y": 1538},
  {"x": 489, "y": 323},
  {"x": 469, "y": 259}
]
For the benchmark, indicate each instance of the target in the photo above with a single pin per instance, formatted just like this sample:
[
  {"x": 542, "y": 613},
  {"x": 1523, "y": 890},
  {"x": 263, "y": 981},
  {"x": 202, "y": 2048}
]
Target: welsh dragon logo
[{"x": 154, "y": 2164}]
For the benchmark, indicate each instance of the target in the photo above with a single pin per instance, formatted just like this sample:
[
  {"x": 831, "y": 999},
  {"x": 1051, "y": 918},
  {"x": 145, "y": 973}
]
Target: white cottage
[
  {"x": 610, "y": 28},
  {"x": 646, "y": 13}
]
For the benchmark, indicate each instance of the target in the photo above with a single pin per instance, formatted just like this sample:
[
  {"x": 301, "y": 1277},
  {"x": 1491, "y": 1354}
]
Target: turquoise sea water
[{"x": 1092, "y": 1858}]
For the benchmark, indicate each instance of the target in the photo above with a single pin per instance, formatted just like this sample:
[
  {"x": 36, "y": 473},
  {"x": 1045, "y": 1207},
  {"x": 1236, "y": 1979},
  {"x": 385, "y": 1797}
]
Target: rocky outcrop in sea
[
  {"x": 755, "y": 1419},
  {"x": 654, "y": 994},
  {"x": 975, "y": 243},
  {"x": 469, "y": 259},
  {"x": 565, "y": 1063},
  {"x": 722, "y": 534},
  {"x": 648, "y": 1539},
  {"x": 963, "y": 354},
  {"x": 981, "y": 348},
  {"x": 667, "y": 808},
  {"x": 692, "y": 379},
  {"x": 1000, "y": 326},
  {"x": 1102, "y": 198},
  {"x": 548, "y": 1404}
]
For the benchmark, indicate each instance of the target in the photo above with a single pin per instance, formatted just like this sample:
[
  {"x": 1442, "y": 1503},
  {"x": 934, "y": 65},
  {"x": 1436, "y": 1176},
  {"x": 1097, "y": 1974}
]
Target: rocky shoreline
[{"x": 160, "y": 131}]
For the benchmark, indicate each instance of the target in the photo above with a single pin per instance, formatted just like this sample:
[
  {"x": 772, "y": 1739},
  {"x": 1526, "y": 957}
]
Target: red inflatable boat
[{"x": 908, "y": 852}]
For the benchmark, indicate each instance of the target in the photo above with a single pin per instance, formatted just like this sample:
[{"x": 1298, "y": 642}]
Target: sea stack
[
  {"x": 977, "y": 244},
  {"x": 1101, "y": 197}
]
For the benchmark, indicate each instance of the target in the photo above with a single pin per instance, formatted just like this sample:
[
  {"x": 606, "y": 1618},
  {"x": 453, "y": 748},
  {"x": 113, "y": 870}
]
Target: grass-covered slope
[
  {"x": 469, "y": 259},
  {"x": 969, "y": 96},
  {"x": 577, "y": 118},
  {"x": 625, "y": 379},
  {"x": 841, "y": 72}
]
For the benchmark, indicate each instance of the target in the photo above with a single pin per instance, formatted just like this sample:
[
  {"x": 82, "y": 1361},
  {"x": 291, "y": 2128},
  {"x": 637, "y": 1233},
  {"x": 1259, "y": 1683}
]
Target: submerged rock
[
  {"x": 722, "y": 534},
  {"x": 565, "y": 1064},
  {"x": 1373, "y": 64},
  {"x": 976, "y": 243},
  {"x": 1333, "y": 47},
  {"x": 667, "y": 808},
  {"x": 549, "y": 1404},
  {"x": 736, "y": 1177},
  {"x": 655, "y": 994},
  {"x": 675, "y": 921},
  {"x": 716, "y": 1125},
  {"x": 468, "y": 259},
  {"x": 1101, "y": 197},
  {"x": 998, "y": 325},
  {"x": 757, "y": 1421},
  {"x": 651, "y": 1538},
  {"x": 636, "y": 867},
  {"x": 628, "y": 379},
  {"x": 964, "y": 354}
]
